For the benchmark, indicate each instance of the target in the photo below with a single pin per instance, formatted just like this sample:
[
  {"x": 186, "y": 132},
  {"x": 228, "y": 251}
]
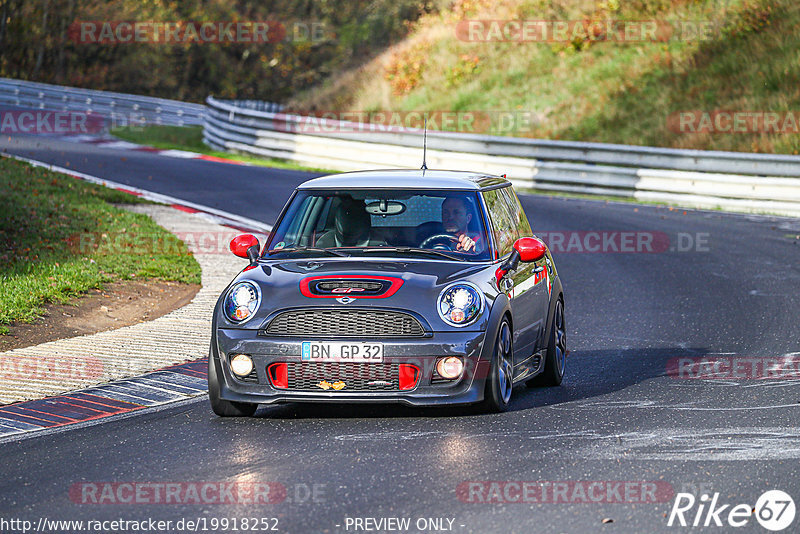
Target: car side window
[
  {"x": 504, "y": 231},
  {"x": 518, "y": 218}
]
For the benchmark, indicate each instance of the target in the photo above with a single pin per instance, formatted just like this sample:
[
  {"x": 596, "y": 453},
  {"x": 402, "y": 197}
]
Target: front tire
[
  {"x": 500, "y": 382},
  {"x": 555, "y": 360},
  {"x": 220, "y": 406}
]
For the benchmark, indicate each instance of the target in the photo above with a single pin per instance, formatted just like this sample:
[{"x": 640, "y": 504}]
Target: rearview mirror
[{"x": 385, "y": 207}]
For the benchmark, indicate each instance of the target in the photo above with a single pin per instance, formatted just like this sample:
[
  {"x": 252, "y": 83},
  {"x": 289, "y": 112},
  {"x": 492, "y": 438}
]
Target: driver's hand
[{"x": 465, "y": 243}]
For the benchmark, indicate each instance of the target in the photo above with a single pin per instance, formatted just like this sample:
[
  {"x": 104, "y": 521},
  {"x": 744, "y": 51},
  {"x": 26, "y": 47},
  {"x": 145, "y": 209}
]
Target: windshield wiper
[
  {"x": 308, "y": 249},
  {"x": 412, "y": 249}
]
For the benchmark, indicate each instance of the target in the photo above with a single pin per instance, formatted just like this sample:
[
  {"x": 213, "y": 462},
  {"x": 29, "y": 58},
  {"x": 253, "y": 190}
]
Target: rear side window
[
  {"x": 518, "y": 218},
  {"x": 504, "y": 229}
]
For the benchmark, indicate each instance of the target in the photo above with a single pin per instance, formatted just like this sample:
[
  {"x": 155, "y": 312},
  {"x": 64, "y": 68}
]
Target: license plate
[{"x": 335, "y": 351}]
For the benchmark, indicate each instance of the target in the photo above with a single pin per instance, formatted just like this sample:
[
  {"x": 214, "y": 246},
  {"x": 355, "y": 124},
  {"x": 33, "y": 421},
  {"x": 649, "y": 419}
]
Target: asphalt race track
[{"x": 719, "y": 286}]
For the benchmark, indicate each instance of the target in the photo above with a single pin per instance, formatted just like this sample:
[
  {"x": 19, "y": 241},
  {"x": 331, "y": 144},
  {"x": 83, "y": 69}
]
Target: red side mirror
[
  {"x": 530, "y": 248},
  {"x": 241, "y": 243}
]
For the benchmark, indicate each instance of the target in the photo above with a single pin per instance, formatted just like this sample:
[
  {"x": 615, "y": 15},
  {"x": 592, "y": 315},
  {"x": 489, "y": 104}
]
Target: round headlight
[
  {"x": 241, "y": 364},
  {"x": 460, "y": 304},
  {"x": 242, "y": 301}
]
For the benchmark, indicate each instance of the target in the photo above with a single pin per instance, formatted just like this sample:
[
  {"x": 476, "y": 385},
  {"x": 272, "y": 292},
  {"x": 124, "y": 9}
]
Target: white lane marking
[
  {"x": 124, "y": 145},
  {"x": 80, "y": 138},
  {"x": 409, "y": 435},
  {"x": 761, "y": 383},
  {"x": 716, "y": 444},
  {"x": 173, "y": 153},
  {"x": 389, "y": 436},
  {"x": 615, "y": 405}
]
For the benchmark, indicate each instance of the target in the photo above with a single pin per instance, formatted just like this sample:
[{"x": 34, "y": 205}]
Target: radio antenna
[{"x": 425, "y": 145}]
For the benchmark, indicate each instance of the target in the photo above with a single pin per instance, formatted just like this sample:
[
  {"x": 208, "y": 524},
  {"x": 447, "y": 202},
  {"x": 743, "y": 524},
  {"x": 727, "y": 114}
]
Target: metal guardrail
[
  {"x": 729, "y": 180},
  {"x": 117, "y": 108}
]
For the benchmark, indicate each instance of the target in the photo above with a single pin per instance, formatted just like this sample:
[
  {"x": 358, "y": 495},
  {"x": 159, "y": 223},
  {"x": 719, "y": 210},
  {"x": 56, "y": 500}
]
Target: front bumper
[{"x": 422, "y": 352}]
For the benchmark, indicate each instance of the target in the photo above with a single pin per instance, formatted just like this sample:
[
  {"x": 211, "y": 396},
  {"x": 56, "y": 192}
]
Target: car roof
[{"x": 406, "y": 179}]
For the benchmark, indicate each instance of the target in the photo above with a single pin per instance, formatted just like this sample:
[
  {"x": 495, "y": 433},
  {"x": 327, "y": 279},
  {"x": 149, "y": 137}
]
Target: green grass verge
[
  {"x": 191, "y": 138},
  {"x": 60, "y": 236}
]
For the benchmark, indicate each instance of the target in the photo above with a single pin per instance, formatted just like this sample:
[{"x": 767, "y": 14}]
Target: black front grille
[
  {"x": 329, "y": 323},
  {"x": 307, "y": 376},
  {"x": 436, "y": 378}
]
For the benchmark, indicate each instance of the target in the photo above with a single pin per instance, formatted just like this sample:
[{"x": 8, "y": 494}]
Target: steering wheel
[{"x": 444, "y": 241}]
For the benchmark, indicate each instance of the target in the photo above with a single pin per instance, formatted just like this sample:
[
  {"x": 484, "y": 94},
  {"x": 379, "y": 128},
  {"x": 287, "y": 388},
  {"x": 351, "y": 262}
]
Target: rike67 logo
[{"x": 774, "y": 510}]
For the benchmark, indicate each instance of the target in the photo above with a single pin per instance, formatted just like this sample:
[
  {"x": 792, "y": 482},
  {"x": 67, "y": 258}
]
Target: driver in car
[{"x": 456, "y": 216}]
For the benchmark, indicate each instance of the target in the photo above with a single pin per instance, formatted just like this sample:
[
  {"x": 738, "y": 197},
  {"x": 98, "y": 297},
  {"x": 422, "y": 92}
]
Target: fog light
[
  {"x": 241, "y": 365},
  {"x": 449, "y": 367}
]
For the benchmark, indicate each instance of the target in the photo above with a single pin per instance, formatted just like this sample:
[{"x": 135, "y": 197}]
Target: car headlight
[
  {"x": 242, "y": 301},
  {"x": 460, "y": 304}
]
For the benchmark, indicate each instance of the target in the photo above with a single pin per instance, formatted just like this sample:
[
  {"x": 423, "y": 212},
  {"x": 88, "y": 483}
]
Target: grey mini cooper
[{"x": 420, "y": 287}]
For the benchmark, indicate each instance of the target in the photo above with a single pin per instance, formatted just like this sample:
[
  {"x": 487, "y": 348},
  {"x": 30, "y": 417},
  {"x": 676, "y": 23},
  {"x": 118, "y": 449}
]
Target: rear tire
[
  {"x": 555, "y": 360},
  {"x": 500, "y": 382},
  {"x": 220, "y": 406}
]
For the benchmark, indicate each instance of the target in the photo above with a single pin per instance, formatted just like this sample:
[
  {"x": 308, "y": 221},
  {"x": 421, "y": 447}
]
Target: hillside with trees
[
  {"x": 40, "y": 40},
  {"x": 697, "y": 64}
]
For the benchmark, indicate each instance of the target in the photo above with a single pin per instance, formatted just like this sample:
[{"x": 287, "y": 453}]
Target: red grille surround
[{"x": 390, "y": 285}]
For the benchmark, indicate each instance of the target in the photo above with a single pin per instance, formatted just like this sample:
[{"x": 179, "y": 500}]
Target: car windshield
[{"x": 439, "y": 224}]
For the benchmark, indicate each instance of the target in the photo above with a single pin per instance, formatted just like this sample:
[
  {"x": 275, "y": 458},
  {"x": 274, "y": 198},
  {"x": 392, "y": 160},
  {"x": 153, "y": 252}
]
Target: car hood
[{"x": 422, "y": 281}]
